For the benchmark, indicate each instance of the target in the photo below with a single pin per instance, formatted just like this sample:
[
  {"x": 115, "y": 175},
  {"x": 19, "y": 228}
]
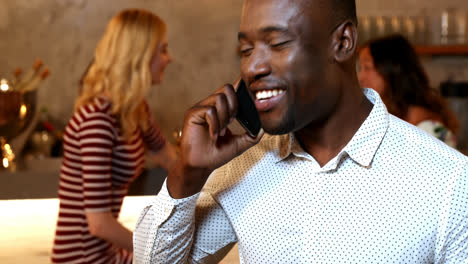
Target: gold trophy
[{"x": 17, "y": 108}]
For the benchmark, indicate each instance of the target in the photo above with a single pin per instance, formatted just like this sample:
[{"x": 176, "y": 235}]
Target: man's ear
[{"x": 344, "y": 41}]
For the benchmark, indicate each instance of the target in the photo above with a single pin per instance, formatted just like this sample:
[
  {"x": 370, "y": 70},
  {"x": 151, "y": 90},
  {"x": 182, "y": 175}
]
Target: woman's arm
[
  {"x": 161, "y": 152},
  {"x": 105, "y": 226},
  {"x": 97, "y": 138},
  {"x": 165, "y": 157}
]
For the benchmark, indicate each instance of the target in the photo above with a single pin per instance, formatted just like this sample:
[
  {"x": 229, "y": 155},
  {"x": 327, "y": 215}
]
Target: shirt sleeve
[
  {"x": 190, "y": 230},
  {"x": 453, "y": 243},
  {"x": 96, "y": 139},
  {"x": 153, "y": 137}
]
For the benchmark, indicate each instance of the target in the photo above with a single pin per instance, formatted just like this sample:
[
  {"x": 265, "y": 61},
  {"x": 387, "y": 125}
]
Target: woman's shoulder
[
  {"x": 431, "y": 123},
  {"x": 98, "y": 106},
  {"x": 439, "y": 131},
  {"x": 418, "y": 114},
  {"x": 98, "y": 110}
]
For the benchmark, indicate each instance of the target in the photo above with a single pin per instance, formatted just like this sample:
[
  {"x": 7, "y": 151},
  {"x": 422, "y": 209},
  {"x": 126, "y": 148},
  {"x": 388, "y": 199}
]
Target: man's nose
[{"x": 257, "y": 65}]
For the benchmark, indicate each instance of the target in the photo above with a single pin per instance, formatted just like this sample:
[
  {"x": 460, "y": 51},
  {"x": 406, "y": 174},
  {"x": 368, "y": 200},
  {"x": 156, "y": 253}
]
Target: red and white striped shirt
[{"x": 98, "y": 165}]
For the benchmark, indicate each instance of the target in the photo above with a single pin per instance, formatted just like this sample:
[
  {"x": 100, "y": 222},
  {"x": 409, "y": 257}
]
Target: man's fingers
[
  {"x": 231, "y": 99},
  {"x": 225, "y": 101},
  {"x": 222, "y": 111},
  {"x": 205, "y": 116},
  {"x": 211, "y": 117}
]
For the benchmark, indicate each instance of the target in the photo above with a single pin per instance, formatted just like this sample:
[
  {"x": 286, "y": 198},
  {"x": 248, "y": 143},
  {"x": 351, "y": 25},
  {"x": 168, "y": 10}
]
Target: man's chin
[
  {"x": 276, "y": 129},
  {"x": 277, "y": 123}
]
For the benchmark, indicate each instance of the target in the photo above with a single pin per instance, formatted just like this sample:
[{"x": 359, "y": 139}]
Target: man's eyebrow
[
  {"x": 269, "y": 29},
  {"x": 241, "y": 35},
  {"x": 279, "y": 29}
]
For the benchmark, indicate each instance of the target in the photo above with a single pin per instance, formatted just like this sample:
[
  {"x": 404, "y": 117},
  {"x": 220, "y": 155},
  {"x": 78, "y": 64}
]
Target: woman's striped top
[{"x": 98, "y": 165}]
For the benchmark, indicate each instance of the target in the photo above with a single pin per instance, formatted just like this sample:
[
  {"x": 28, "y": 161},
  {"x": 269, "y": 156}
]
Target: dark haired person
[
  {"x": 337, "y": 179},
  {"x": 391, "y": 66}
]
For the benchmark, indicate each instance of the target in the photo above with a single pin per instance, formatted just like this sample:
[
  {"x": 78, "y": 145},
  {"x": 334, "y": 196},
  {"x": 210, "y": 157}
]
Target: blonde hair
[{"x": 121, "y": 66}]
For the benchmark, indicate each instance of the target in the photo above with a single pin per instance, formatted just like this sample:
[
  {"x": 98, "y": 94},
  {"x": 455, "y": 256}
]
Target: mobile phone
[{"x": 247, "y": 114}]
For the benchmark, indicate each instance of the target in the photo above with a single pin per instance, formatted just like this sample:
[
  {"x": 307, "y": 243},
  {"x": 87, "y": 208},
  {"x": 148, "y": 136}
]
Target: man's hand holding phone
[{"x": 207, "y": 143}]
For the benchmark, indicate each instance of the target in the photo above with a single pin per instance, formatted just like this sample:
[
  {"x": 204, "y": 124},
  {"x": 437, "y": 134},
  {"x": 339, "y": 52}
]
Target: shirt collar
[
  {"x": 362, "y": 146},
  {"x": 366, "y": 141},
  {"x": 103, "y": 103}
]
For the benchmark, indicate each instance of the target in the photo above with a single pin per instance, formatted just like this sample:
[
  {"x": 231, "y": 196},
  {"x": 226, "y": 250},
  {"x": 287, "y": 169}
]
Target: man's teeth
[{"x": 266, "y": 94}]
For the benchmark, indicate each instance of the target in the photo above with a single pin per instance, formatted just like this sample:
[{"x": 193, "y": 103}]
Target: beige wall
[{"x": 202, "y": 39}]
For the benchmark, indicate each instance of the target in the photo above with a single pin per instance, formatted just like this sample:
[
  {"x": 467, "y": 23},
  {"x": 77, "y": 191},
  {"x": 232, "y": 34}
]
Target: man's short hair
[
  {"x": 343, "y": 10},
  {"x": 339, "y": 10}
]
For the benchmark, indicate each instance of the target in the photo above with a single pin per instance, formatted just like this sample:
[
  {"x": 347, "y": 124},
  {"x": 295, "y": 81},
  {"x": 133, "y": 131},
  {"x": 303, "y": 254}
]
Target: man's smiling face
[{"x": 284, "y": 63}]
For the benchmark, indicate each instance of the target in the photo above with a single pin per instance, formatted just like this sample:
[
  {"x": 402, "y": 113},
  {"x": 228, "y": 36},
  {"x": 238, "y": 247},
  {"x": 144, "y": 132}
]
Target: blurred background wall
[
  {"x": 202, "y": 39},
  {"x": 202, "y": 36}
]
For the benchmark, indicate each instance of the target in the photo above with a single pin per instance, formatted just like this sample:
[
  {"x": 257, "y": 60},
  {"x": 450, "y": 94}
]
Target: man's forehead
[{"x": 265, "y": 13}]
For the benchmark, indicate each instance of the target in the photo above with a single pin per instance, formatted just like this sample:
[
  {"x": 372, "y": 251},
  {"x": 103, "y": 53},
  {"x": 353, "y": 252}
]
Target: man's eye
[
  {"x": 246, "y": 52},
  {"x": 279, "y": 44}
]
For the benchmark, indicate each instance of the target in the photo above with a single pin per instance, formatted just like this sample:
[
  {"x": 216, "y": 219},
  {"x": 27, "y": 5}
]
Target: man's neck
[{"x": 326, "y": 141}]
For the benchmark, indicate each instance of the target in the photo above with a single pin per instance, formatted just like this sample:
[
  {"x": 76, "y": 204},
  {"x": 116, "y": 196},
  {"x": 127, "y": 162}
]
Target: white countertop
[{"x": 28, "y": 228}]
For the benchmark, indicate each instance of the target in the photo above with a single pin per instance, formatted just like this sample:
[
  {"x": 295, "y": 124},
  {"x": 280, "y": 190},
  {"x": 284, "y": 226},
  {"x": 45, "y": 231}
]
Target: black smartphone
[{"x": 247, "y": 114}]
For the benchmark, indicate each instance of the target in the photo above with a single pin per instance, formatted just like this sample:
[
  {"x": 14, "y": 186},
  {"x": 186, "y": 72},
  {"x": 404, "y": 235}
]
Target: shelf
[{"x": 442, "y": 50}]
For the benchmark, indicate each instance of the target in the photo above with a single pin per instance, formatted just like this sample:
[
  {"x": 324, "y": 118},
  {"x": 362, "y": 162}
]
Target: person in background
[
  {"x": 105, "y": 140},
  {"x": 337, "y": 179},
  {"x": 391, "y": 66}
]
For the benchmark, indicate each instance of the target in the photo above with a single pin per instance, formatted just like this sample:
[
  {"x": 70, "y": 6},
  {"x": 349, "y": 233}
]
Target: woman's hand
[{"x": 165, "y": 157}]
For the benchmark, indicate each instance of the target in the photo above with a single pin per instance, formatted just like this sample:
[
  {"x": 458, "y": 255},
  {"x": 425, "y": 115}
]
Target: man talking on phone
[{"x": 335, "y": 179}]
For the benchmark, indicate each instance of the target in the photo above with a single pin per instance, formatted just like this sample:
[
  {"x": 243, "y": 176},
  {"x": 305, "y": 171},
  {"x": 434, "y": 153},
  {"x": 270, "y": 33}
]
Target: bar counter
[{"x": 29, "y": 209}]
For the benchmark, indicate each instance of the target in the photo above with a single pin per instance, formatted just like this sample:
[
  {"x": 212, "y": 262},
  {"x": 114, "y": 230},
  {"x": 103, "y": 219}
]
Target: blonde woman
[{"x": 105, "y": 139}]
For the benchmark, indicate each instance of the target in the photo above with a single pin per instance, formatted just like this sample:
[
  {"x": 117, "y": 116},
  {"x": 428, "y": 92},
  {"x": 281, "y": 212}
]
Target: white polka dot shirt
[{"x": 394, "y": 194}]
